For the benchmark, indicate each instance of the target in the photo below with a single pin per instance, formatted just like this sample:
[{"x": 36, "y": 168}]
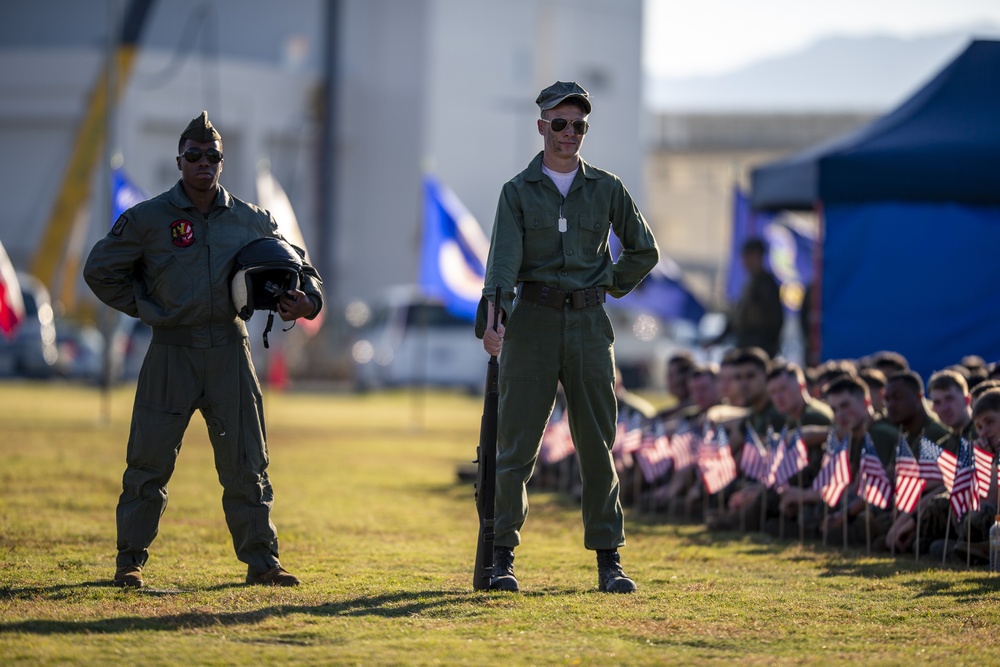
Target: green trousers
[
  {"x": 220, "y": 381},
  {"x": 543, "y": 347}
]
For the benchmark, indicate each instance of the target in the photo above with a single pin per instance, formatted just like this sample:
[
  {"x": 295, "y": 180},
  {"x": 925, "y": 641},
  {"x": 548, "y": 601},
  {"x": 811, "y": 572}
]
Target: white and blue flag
[
  {"x": 453, "y": 251},
  {"x": 124, "y": 194}
]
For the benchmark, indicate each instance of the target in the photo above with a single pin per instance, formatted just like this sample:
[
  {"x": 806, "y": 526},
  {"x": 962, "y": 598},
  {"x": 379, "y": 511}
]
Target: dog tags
[{"x": 562, "y": 225}]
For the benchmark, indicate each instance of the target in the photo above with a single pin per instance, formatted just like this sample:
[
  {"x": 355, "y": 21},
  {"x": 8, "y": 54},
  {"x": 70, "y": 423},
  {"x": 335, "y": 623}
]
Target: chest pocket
[
  {"x": 542, "y": 239},
  {"x": 594, "y": 236}
]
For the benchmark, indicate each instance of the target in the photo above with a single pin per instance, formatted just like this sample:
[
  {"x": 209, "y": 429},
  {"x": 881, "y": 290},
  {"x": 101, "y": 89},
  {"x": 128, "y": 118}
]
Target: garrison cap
[
  {"x": 200, "y": 129},
  {"x": 559, "y": 92}
]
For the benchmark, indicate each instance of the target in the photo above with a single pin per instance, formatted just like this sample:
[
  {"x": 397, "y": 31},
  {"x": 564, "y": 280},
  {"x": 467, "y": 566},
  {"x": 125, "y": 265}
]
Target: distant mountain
[{"x": 869, "y": 74}]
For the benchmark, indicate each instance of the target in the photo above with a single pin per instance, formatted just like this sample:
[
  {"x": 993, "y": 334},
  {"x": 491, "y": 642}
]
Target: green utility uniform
[
  {"x": 169, "y": 265},
  {"x": 545, "y": 345}
]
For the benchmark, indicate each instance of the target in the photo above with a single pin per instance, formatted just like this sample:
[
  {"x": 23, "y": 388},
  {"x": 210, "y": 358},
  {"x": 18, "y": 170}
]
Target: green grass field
[{"x": 373, "y": 520}]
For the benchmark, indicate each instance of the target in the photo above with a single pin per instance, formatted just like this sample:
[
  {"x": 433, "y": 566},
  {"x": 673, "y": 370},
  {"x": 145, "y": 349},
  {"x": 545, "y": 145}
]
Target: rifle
[{"x": 486, "y": 472}]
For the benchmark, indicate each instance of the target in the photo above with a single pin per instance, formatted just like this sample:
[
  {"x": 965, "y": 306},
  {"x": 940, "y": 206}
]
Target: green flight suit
[
  {"x": 168, "y": 264},
  {"x": 544, "y": 346}
]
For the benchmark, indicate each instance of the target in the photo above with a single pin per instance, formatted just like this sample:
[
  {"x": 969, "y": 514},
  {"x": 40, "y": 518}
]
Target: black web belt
[{"x": 544, "y": 295}]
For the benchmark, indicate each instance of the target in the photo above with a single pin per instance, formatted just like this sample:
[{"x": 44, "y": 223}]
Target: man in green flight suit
[
  {"x": 168, "y": 261},
  {"x": 550, "y": 244}
]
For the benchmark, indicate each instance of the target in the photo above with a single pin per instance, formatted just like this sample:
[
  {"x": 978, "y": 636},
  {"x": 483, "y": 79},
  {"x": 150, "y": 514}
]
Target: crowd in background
[{"x": 853, "y": 453}]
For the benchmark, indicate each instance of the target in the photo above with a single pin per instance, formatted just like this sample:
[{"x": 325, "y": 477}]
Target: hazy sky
[{"x": 699, "y": 37}]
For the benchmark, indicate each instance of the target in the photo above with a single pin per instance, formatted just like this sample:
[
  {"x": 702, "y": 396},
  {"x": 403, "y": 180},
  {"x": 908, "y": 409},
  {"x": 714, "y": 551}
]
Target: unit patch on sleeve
[{"x": 119, "y": 225}]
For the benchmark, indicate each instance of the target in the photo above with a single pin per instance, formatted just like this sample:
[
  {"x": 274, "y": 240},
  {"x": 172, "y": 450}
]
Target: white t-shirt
[{"x": 562, "y": 181}]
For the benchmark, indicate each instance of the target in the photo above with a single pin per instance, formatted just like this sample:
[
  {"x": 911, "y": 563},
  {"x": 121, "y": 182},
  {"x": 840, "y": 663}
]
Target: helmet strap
[{"x": 267, "y": 329}]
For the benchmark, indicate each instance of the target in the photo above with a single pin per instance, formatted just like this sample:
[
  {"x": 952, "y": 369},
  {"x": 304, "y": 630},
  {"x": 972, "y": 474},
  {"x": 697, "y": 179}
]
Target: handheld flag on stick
[
  {"x": 909, "y": 484},
  {"x": 876, "y": 489},
  {"x": 835, "y": 473},
  {"x": 964, "y": 492}
]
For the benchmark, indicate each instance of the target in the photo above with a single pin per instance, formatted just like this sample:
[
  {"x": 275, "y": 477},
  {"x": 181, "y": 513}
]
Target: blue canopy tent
[{"x": 910, "y": 213}]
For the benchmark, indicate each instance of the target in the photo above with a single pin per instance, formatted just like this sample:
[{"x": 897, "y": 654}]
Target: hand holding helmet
[{"x": 294, "y": 304}]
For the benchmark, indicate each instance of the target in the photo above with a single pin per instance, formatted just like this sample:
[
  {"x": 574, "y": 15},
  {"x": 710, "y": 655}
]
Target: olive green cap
[
  {"x": 200, "y": 129},
  {"x": 559, "y": 92}
]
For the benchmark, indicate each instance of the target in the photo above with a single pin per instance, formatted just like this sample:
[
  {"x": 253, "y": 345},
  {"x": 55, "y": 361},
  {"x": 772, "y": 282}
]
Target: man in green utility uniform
[
  {"x": 550, "y": 250},
  {"x": 168, "y": 262}
]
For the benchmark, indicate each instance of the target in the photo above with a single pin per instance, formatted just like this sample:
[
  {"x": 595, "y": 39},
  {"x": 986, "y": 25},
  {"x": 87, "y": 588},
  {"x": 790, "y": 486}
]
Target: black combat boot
[
  {"x": 503, "y": 578},
  {"x": 610, "y": 577}
]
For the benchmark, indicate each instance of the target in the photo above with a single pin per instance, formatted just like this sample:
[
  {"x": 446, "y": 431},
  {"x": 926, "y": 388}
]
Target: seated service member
[
  {"x": 904, "y": 405},
  {"x": 786, "y": 385},
  {"x": 951, "y": 402},
  {"x": 550, "y": 242},
  {"x": 853, "y": 413},
  {"x": 168, "y": 261}
]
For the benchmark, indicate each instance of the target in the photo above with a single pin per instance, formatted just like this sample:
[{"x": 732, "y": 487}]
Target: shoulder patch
[{"x": 119, "y": 225}]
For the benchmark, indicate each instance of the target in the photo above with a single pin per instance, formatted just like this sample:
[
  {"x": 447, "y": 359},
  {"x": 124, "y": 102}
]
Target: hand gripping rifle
[{"x": 486, "y": 473}]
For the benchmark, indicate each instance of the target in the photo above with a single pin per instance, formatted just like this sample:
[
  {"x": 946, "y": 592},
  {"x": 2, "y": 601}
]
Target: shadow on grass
[{"x": 389, "y": 605}]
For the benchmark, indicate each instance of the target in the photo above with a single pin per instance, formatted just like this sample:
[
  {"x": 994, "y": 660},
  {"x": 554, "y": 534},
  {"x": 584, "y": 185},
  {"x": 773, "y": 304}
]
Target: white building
[{"x": 445, "y": 86}]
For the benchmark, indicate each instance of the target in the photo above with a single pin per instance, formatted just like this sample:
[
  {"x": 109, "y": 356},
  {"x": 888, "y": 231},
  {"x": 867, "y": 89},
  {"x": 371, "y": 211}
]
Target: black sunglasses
[
  {"x": 195, "y": 154},
  {"x": 559, "y": 124}
]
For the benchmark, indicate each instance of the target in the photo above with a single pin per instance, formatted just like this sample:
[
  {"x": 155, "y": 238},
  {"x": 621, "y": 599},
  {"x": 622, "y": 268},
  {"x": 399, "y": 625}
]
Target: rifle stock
[{"x": 486, "y": 458}]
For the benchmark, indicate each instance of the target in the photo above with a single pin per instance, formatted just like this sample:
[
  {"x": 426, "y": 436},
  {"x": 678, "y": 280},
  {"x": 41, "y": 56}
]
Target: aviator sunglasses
[
  {"x": 194, "y": 155},
  {"x": 559, "y": 124}
]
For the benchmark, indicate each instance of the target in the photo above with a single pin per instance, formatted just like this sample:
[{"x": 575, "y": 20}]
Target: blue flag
[
  {"x": 124, "y": 195},
  {"x": 453, "y": 252},
  {"x": 789, "y": 254},
  {"x": 661, "y": 293}
]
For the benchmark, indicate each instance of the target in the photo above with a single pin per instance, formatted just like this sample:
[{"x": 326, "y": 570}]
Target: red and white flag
[
  {"x": 754, "y": 458},
  {"x": 984, "y": 470},
  {"x": 684, "y": 446},
  {"x": 835, "y": 472},
  {"x": 653, "y": 457},
  {"x": 909, "y": 483},
  {"x": 876, "y": 489},
  {"x": 557, "y": 443},
  {"x": 11, "y": 302},
  {"x": 628, "y": 439},
  {"x": 937, "y": 464},
  {"x": 715, "y": 460},
  {"x": 790, "y": 459},
  {"x": 964, "y": 491}
]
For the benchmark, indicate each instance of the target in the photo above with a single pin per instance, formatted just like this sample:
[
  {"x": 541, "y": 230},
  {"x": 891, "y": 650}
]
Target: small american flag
[
  {"x": 792, "y": 457},
  {"x": 964, "y": 492},
  {"x": 909, "y": 484},
  {"x": 936, "y": 464},
  {"x": 630, "y": 433},
  {"x": 876, "y": 488},
  {"x": 628, "y": 438},
  {"x": 684, "y": 446},
  {"x": 717, "y": 466},
  {"x": 654, "y": 455},
  {"x": 984, "y": 470},
  {"x": 835, "y": 473},
  {"x": 557, "y": 443},
  {"x": 753, "y": 457}
]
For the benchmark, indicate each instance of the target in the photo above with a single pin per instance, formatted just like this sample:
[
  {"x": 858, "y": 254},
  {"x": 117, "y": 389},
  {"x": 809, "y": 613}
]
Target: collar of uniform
[
  {"x": 180, "y": 199},
  {"x": 534, "y": 170}
]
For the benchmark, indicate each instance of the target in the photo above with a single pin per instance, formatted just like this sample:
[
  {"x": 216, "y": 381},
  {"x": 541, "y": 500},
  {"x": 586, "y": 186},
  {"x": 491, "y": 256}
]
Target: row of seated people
[{"x": 795, "y": 441}]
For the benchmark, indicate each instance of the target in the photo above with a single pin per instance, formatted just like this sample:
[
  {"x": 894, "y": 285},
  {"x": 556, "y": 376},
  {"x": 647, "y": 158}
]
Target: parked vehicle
[
  {"x": 410, "y": 339},
  {"x": 81, "y": 351}
]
